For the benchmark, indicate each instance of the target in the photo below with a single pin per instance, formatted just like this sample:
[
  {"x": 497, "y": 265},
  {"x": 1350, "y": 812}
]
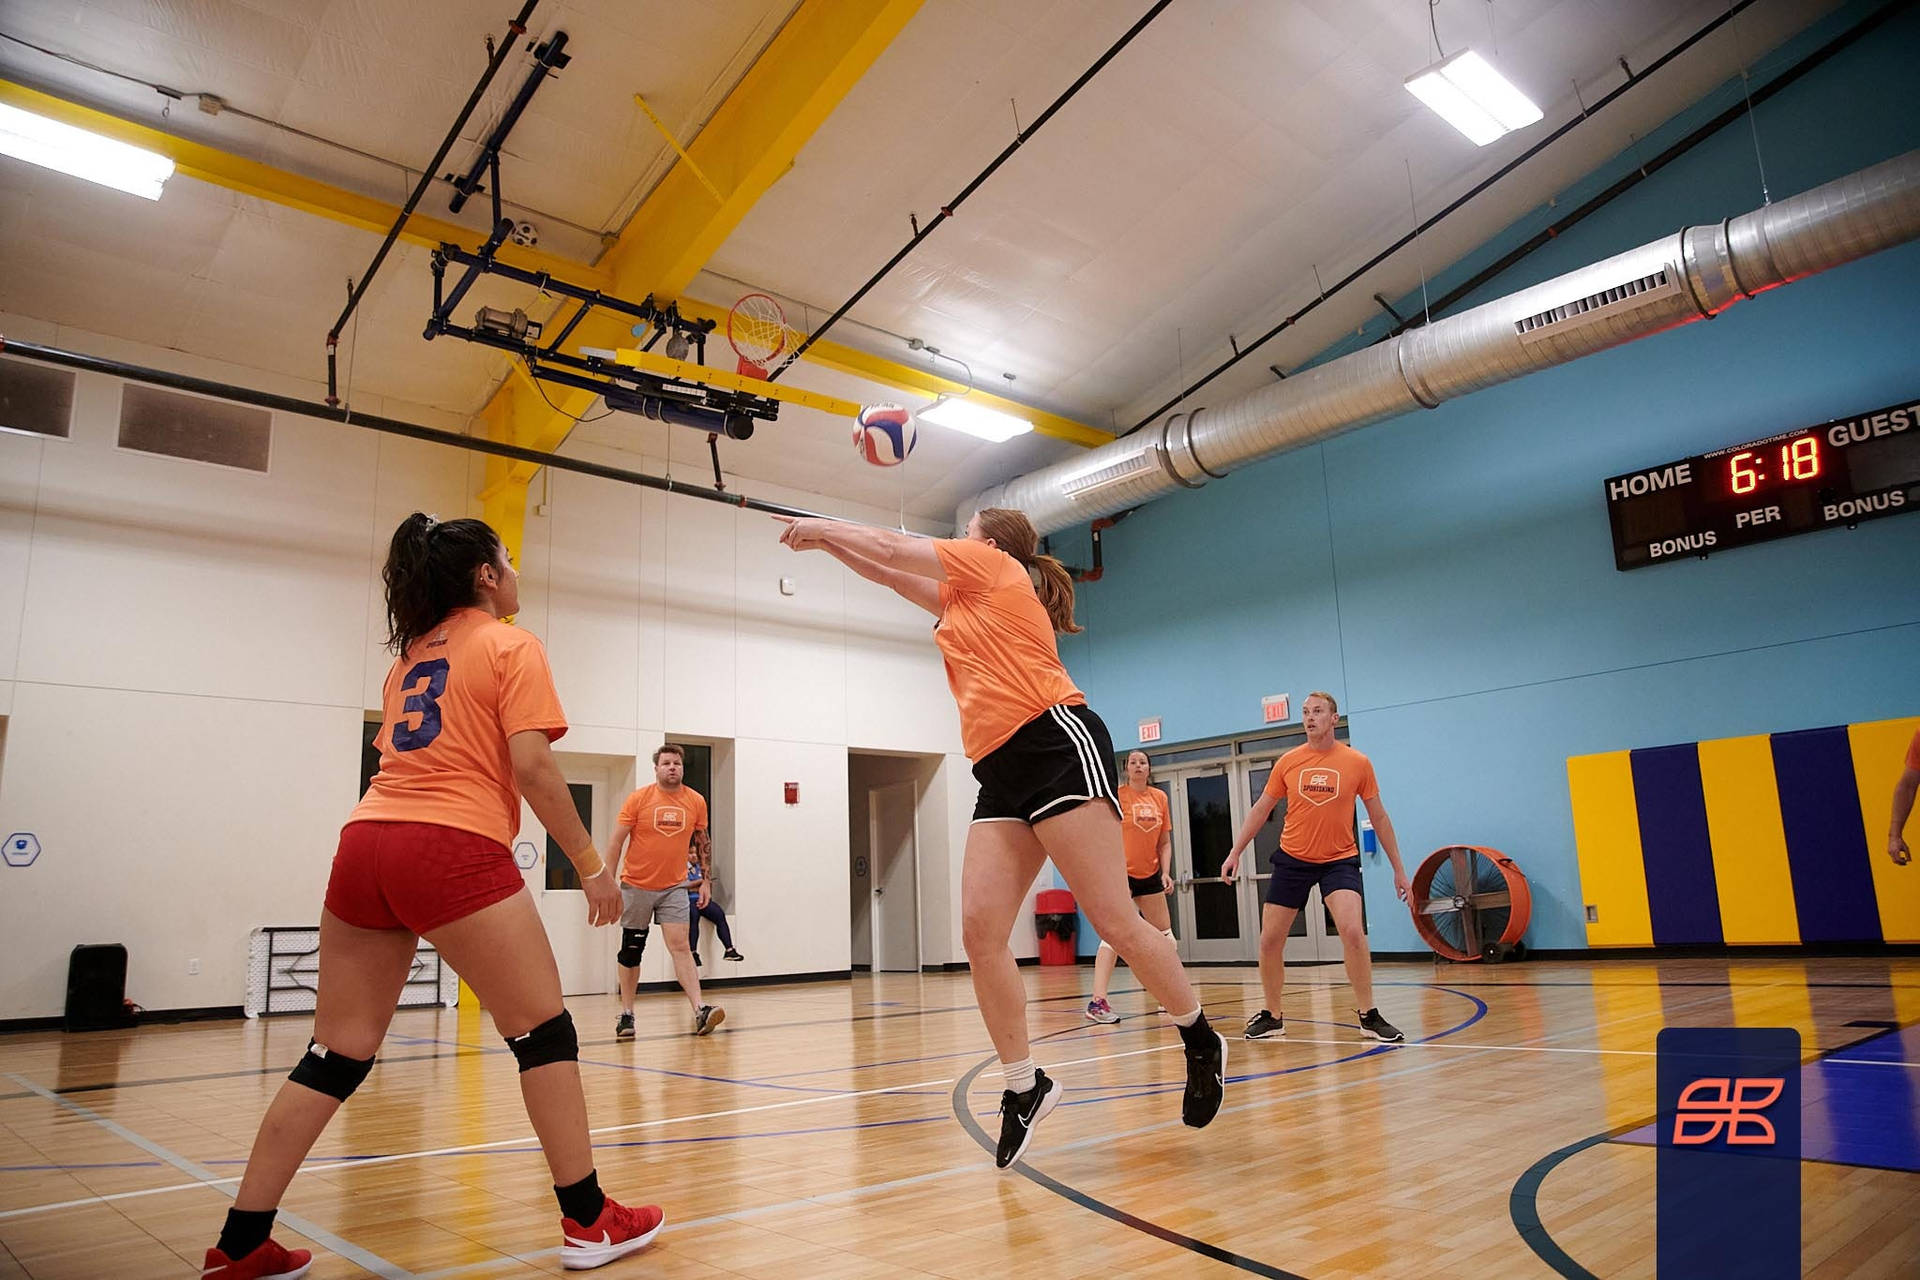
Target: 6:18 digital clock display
[{"x": 1838, "y": 473}]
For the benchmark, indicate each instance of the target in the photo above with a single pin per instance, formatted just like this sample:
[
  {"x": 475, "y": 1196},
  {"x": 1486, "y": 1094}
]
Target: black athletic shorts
[
  {"x": 1061, "y": 758},
  {"x": 1145, "y": 886},
  {"x": 1293, "y": 878}
]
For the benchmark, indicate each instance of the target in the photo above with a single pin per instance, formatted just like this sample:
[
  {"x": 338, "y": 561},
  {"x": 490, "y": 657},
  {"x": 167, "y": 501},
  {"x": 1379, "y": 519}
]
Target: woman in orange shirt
[
  {"x": 469, "y": 713},
  {"x": 1044, "y": 762},
  {"x": 1146, "y": 835}
]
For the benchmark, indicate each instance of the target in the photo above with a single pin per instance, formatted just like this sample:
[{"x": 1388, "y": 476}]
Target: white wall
[{"x": 187, "y": 653}]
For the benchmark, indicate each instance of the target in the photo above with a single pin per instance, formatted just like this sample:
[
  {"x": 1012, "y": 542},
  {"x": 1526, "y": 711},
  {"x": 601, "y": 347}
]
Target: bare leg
[
  {"x": 1002, "y": 859},
  {"x": 1153, "y": 909},
  {"x": 363, "y": 972},
  {"x": 503, "y": 953},
  {"x": 1084, "y": 843},
  {"x": 629, "y": 984},
  {"x": 675, "y": 936},
  {"x": 1275, "y": 923},
  {"x": 1350, "y": 920}
]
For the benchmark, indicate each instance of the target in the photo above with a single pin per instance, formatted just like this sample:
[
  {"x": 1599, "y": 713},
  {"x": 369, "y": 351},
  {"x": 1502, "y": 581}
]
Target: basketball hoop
[{"x": 757, "y": 330}]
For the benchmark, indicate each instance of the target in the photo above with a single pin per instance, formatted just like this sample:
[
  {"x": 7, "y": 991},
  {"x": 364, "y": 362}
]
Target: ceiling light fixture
[
  {"x": 960, "y": 414},
  {"x": 53, "y": 145},
  {"x": 1471, "y": 96}
]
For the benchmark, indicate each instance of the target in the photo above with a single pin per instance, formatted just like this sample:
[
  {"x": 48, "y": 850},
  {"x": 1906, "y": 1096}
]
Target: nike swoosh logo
[{"x": 606, "y": 1238}]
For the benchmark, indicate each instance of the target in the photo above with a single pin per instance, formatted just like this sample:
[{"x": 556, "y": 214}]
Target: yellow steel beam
[
  {"x": 249, "y": 177},
  {"x": 821, "y": 52}
]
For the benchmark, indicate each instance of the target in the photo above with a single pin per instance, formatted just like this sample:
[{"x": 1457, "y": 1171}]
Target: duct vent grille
[
  {"x": 1113, "y": 473},
  {"x": 1596, "y": 306}
]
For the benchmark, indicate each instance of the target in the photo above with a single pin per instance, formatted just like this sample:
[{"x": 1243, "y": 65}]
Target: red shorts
[{"x": 416, "y": 875}]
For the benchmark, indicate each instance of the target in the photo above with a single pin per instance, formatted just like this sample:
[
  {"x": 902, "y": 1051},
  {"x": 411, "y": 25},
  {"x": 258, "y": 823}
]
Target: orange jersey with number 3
[
  {"x": 449, "y": 705},
  {"x": 1320, "y": 788},
  {"x": 1144, "y": 821},
  {"x": 663, "y": 823},
  {"x": 1003, "y": 664}
]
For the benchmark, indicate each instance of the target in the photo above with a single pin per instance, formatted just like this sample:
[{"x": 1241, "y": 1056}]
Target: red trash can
[{"x": 1055, "y": 921}]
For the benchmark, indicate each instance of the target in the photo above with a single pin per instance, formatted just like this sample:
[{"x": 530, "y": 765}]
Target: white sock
[
  {"x": 1019, "y": 1074},
  {"x": 1187, "y": 1019}
]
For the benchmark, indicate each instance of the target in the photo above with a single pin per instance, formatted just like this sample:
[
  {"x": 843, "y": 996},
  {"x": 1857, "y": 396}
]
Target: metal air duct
[{"x": 1692, "y": 275}]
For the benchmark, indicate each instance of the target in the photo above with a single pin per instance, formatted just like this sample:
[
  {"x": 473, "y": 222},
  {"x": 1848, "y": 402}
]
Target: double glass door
[{"x": 1215, "y": 920}]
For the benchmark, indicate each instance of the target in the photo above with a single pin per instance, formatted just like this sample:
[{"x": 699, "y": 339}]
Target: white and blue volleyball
[{"x": 885, "y": 434}]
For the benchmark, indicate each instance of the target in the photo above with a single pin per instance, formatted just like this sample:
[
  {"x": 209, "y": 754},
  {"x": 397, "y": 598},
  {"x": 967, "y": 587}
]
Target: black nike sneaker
[
  {"x": 1379, "y": 1028},
  {"x": 1020, "y": 1112},
  {"x": 1264, "y": 1026},
  {"x": 1206, "y": 1074}
]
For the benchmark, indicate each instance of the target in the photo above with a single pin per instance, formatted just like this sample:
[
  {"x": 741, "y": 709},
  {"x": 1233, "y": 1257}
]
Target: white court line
[
  {"x": 313, "y": 1231},
  {"x": 341, "y": 1165}
]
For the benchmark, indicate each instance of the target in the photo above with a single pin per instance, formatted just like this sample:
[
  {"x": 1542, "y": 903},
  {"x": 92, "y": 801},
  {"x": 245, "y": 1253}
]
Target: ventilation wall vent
[
  {"x": 183, "y": 426},
  {"x": 35, "y": 399}
]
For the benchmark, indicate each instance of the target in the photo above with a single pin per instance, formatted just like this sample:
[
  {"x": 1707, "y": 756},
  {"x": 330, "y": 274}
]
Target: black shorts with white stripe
[{"x": 1061, "y": 758}]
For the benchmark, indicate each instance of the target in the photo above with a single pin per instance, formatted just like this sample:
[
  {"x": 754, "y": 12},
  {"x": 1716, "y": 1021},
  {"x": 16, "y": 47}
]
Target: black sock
[
  {"x": 246, "y": 1230},
  {"x": 1197, "y": 1032},
  {"x": 584, "y": 1200}
]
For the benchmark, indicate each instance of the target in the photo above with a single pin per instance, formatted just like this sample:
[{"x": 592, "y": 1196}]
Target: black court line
[
  {"x": 1203, "y": 1248},
  {"x": 1522, "y": 1202}
]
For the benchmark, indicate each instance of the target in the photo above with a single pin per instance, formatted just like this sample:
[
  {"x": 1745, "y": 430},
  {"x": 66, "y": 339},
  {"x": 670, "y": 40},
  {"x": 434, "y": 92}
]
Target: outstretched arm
[
  {"x": 924, "y": 592},
  {"x": 1903, "y": 793},
  {"x": 886, "y": 547}
]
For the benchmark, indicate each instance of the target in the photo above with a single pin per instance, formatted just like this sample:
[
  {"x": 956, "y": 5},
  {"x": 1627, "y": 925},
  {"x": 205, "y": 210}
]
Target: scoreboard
[{"x": 1838, "y": 473}]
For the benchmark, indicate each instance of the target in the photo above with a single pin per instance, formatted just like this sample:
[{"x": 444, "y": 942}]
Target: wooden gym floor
[{"x": 815, "y": 1135}]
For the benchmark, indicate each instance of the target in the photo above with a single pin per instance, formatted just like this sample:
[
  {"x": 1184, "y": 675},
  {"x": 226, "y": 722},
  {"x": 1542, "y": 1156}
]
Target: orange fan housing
[{"x": 1466, "y": 899}]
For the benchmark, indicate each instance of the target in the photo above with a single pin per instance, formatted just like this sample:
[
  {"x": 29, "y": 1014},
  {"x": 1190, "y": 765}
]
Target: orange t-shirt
[
  {"x": 450, "y": 703},
  {"x": 663, "y": 823},
  {"x": 1913, "y": 752},
  {"x": 1320, "y": 788},
  {"x": 1144, "y": 820},
  {"x": 1002, "y": 662}
]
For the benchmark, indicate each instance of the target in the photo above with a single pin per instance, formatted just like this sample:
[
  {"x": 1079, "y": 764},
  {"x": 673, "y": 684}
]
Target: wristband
[{"x": 580, "y": 860}]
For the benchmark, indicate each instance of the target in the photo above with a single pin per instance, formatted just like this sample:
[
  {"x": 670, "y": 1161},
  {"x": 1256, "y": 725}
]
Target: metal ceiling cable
[
  {"x": 225, "y": 106},
  {"x": 947, "y": 209},
  {"x": 1633, "y": 78}
]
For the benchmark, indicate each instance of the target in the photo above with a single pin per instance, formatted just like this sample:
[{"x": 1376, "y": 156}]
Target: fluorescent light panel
[
  {"x": 975, "y": 420},
  {"x": 1470, "y": 95},
  {"x": 61, "y": 147}
]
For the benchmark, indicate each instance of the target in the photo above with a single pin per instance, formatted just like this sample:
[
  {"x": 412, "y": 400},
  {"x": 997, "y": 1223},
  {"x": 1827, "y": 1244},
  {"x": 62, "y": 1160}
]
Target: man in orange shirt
[
  {"x": 1146, "y": 837},
  {"x": 1903, "y": 791},
  {"x": 1319, "y": 781},
  {"x": 662, "y": 828}
]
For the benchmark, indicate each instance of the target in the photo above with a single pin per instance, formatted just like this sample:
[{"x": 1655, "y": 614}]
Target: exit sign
[
  {"x": 1273, "y": 708},
  {"x": 1150, "y": 730}
]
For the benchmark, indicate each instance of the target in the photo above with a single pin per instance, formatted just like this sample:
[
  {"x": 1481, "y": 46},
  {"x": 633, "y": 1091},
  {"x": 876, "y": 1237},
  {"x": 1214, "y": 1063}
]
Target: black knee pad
[
  {"x": 632, "y": 943},
  {"x": 552, "y": 1041},
  {"x": 333, "y": 1074}
]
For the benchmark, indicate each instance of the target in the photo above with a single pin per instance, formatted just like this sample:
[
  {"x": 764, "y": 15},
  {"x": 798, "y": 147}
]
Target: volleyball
[{"x": 885, "y": 434}]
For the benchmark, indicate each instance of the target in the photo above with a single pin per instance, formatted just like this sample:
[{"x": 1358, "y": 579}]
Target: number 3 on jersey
[{"x": 422, "y": 702}]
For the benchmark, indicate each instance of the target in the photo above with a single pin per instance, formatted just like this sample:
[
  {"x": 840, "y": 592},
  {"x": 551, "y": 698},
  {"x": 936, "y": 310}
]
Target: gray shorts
[{"x": 642, "y": 907}]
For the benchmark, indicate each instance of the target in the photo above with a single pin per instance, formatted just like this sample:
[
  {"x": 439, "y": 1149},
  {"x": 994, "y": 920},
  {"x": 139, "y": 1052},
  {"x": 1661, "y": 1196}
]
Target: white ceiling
[{"x": 1189, "y": 192}]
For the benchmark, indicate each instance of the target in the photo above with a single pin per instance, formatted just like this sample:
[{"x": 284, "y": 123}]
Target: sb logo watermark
[
  {"x": 1729, "y": 1155},
  {"x": 1713, "y": 1105}
]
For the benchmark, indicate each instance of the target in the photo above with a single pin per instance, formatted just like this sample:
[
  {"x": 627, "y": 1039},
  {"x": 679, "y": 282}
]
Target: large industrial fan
[{"x": 1471, "y": 903}]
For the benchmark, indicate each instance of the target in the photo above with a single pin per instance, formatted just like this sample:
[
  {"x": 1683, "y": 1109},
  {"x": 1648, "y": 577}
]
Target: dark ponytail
[
  {"x": 429, "y": 573},
  {"x": 1014, "y": 534}
]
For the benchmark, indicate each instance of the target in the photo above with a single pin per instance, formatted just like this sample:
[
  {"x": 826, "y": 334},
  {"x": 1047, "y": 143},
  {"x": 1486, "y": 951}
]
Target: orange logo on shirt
[
  {"x": 669, "y": 819},
  {"x": 1319, "y": 783},
  {"x": 1146, "y": 816}
]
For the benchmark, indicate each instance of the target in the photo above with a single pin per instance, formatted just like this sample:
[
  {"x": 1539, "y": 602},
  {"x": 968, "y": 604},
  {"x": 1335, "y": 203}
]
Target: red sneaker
[
  {"x": 268, "y": 1262},
  {"x": 617, "y": 1232}
]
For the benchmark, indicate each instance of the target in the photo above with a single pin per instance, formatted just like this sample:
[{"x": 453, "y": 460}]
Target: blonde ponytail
[{"x": 1014, "y": 534}]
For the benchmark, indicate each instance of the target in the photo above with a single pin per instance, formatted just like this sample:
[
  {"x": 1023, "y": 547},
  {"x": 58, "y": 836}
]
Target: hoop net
[{"x": 757, "y": 330}]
